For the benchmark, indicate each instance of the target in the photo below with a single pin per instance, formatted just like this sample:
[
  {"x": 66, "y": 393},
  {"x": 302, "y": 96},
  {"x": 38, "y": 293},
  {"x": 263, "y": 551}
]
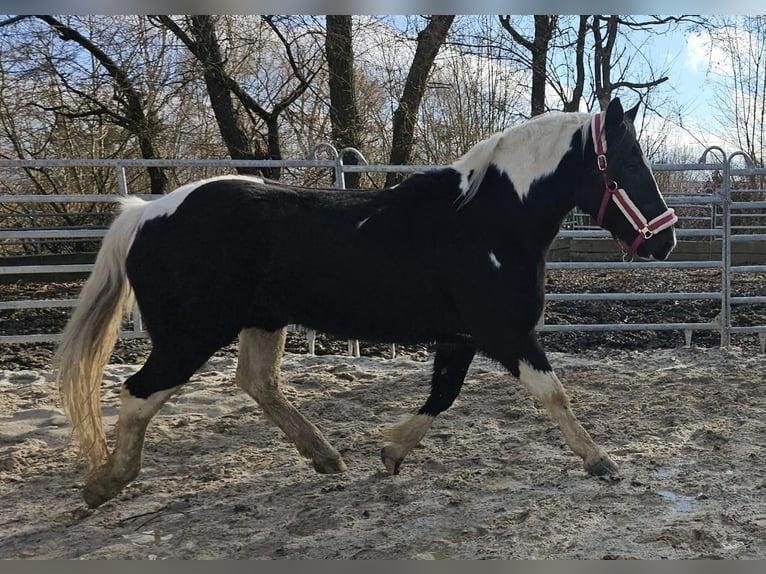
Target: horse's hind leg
[
  {"x": 141, "y": 396},
  {"x": 451, "y": 364},
  {"x": 260, "y": 353}
]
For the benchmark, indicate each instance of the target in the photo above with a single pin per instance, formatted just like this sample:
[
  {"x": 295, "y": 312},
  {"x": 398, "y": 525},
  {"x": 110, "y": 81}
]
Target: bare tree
[
  {"x": 430, "y": 39},
  {"x": 130, "y": 112},
  {"x": 472, "y": 94},
  {"x": 567, "y": 80},
  {"x": 545, "y": 25},
  {"x": 344, "y": 113},
  {"x": 740, "y": 83},
  {"x": 201, "y": 38},
  {"x": 611, "y": 62},
  {"x": 564, "y": 54}
]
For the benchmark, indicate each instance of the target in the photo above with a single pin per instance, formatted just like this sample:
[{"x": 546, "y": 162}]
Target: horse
[{"x": 453, "y": 256}]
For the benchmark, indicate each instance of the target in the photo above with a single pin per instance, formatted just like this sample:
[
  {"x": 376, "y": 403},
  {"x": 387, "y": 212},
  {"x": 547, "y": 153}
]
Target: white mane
[{"x": 524, "y": 153}]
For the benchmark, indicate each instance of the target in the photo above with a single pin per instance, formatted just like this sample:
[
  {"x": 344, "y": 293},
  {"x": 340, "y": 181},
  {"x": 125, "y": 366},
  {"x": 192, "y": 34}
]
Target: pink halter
[{"x": 645, "y": 229}]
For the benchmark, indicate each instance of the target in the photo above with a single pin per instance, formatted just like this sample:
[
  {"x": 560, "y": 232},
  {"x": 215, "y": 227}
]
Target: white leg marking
[
  {"x": 547, "y": 388},
  {"x": 401, "y": 438},
  {"x": 124, "y": 463},
  {"x": 409, "y": 432},
  {"x": 542, "y": 384},
  {"x": 136, "y": 408},
  {"x": 258, "y": 366}
]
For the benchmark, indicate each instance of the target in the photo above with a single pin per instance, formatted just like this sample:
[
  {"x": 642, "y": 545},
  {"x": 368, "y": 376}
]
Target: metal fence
[{"x": 705, "y": 215}]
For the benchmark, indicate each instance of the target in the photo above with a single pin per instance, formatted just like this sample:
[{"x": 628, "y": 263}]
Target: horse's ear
[
  {"x": 632, "y": 112},
  {"x": 614, "y": 114}
]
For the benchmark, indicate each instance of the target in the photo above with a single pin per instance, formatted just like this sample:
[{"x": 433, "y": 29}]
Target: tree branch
[
  {"x": 135, "y": 120},
  {"x": 505, "y": 21},
  {"x": 14, "y": 19},
  {"x": 639, "y": 85}
]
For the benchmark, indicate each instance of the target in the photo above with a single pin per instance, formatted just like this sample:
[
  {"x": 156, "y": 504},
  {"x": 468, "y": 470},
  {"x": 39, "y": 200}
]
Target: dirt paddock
[{"x": 493, "y": 479}]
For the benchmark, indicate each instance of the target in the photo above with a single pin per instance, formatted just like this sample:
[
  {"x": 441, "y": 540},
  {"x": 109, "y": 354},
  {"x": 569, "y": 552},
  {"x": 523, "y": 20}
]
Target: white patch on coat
[
  {"x": 167, "y": 205},
  {"x": 541, "y": 384},
  {"x": 472, "y": 166},
  {"x": 524, "y": 153},
  {"x": 494, "y": 260}
]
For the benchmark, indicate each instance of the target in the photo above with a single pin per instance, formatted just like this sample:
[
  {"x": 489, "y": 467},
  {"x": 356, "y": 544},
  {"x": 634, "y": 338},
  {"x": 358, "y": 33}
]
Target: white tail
[{"x": 91, "y": 333}]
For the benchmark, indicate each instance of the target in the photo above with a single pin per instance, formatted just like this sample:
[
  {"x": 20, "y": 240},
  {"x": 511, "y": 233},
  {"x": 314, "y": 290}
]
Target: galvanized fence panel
[
  {"x": 717, "y": 226},
  {"x": 748, "y": 230}
]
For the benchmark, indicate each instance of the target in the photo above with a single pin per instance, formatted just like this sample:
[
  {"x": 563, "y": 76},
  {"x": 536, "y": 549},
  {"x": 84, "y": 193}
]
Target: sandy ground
[{"x": 493, "y": 479}]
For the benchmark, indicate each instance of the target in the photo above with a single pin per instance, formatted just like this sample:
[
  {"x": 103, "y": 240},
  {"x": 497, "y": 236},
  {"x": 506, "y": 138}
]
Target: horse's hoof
[
  {"x": 601, "y": 466},
  {"x": 329, "y": 465},
  {"x": 96, "y": 493},
  {"x": 391, "y": 458},
  {"x": 103, "y": 485}
]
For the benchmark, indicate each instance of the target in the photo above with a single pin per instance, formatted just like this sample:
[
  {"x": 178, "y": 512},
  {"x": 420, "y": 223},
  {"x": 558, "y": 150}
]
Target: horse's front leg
[
  {"x": 451, "y": 362},
  {"x": 531, "y": 367}
]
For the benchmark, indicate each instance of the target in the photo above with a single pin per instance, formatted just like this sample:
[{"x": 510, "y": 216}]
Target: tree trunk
[
  {"x": 545, "y": 25},
  {"x": 573, "y": 104},
  {"x": 602, "y": 57},
  {"x": 430, "y": 39},
  {"x": 344, "y": 114},
  {"x": 208, "y": 52}
]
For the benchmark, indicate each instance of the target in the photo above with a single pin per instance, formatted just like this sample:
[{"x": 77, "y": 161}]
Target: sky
[
  {"x": 687, "y": 57},
  {"x": 695, "y": 77}
]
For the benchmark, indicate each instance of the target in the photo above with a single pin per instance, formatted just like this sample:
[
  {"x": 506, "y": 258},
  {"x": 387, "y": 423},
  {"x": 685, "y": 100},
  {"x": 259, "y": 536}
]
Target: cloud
[
  {"x": 698, "y": 52},
  {"x": 702, "y": 54}
]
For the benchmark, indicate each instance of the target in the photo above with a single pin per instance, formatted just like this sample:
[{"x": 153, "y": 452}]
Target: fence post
[
  {"x": 726, "y": 254},
  {"x": 725, "y": 314},
  {"x": 340, "y": 183},
  {"x": 353, "y": 346},
  {"x": 122, "y": 182}
]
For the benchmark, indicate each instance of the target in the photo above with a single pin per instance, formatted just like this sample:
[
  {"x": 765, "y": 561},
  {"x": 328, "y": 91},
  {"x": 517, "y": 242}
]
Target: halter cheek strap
[{"x": 612, "y": 192}]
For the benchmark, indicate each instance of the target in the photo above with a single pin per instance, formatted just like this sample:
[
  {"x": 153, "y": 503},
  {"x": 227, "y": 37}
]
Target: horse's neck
[{"x": 549, "y": 199}]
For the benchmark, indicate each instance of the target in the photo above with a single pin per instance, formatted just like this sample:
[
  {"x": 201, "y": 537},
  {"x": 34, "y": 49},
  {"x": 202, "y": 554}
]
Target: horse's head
[{"x": 624, "y": 198}]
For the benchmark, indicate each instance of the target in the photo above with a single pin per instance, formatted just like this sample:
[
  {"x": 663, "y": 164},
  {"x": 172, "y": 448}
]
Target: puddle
[
  {"x": 681, "y": 502},
  {"x": 673, "y": 470}
]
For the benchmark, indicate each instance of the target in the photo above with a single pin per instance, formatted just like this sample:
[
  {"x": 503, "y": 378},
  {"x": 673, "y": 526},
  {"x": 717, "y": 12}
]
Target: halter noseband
[{"x": 612, "y": 191}]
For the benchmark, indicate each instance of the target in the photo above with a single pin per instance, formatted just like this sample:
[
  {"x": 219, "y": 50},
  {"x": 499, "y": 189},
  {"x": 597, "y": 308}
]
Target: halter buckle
[
  {"x": 601, "y": 161},
  {"x": 646, "y": 232}
]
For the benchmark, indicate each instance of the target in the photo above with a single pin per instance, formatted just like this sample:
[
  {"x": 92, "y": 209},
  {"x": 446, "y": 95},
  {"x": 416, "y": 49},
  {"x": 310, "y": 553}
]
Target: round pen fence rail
[{"x": 722, "y": 227}]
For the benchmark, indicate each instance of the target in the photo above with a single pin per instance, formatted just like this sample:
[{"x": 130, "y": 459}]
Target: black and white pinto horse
[{"x": 455, "y": 256}]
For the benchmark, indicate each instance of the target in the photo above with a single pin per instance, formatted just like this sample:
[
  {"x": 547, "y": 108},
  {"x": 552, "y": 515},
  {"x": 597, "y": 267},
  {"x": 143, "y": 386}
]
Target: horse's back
[{"x": 238, "y": 253}]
